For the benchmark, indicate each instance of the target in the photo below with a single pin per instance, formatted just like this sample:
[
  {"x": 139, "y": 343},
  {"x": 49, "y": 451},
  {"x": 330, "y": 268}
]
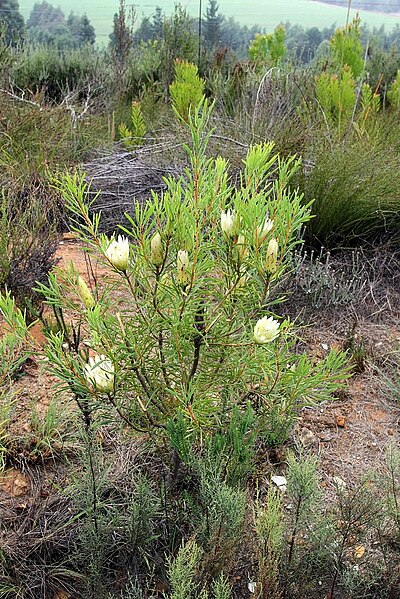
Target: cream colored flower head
[
  {"x": 118, "y": 252},
  {"x": 266, "y": 330},
  {"x": 263, "y": 232},
  {"x": 182, "y": 264},
  {"x": 100, "y": 373},
  {"x": 228, "y": 222},
  {"x": 272, "y": 256},
  {"x": 156, "y": 250}
]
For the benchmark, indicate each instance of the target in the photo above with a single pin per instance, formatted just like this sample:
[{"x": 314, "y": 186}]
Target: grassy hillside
[{"x": 266, "y": 14}]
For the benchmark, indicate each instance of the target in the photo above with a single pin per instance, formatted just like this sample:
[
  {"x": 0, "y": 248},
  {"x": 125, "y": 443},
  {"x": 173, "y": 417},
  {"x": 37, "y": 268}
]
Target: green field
[{"x": 265, "y": 13}]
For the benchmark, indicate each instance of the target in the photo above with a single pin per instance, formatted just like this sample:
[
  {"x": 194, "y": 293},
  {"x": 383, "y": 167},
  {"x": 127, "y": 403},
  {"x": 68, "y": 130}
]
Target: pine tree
[
  {"x": 86, "y": 32},
  {"x": 12, "y": 20},
  {"x": 47, "y": 25},
  {"x": 157, "y": 24},
  {"x": 121, "y": 37},
  {"x": 44, "y": 16},
  {"x": 73, "y": 24},
  {"x": 212, "y": 25}
]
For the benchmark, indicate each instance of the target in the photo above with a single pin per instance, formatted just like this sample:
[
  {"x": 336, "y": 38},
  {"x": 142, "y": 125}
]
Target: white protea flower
[
  {"x": 228, "y": 223},
  {"x": 118, "y": 252},
  {"x": 266, "y": 330},
  {"x": 100, "y": 373},
  {"x": 263, "y": 232},
  {"x": 272, "y": 256},
  {"x": 156, "y": 250},
  {"x": 182, "y": 263},
  {"x": 85, "y": 294}
]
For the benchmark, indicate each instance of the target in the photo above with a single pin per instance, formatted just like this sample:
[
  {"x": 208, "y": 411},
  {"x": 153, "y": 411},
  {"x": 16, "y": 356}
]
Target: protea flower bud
[
  {"x": 263, "y": 232},
  {"x": 272, "y": 256},
  {"x": 182, "y": 264},
  {"x": 156, "y": 250},
  {"x": 118, "y": 252},
  {"x": 266, "y": 330},
  {"x": 85, "y": 294},
  {"x": 242, "y": 282},
  {"x": 241, "y": 248},
  {"x": 228, "y": 223},
  {"x": 100, "y": 373}
]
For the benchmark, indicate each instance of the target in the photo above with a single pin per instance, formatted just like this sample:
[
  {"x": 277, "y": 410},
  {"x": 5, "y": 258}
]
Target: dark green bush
[
  {"x": 355, "y": 183},
  {"x": 53, "y": 73}
]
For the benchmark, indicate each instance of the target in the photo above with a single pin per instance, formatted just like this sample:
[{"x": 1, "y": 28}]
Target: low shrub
[
  {"x": 356, "y": 187},
  {"x": 197, "y": 263},
  {"x": 52, "y": 74}
]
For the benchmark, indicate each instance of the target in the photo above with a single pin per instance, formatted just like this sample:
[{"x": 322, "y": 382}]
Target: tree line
[{"x": 48, "y": 25}]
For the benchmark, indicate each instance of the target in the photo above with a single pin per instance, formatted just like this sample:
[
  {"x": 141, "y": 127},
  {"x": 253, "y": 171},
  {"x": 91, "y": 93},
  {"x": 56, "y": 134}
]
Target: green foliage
[
  {"x": 224, "y": 509},
  {"x": 47, "y": 25},
  {"x": 337, "y": 97},
  {"x": 355, "y": 184},
  {"x": 303, "y": 493},
  {"x": 276, "y": 429},
  {"x": 7, "y": 400},
  {"x": 182, "y": 570},
  {"x": 230, "y": 89},
  {"x": 221, "y": 588},
  {"x": 268, "y": 47},
  {"x": 198, "y": 293},
  {"x": 187, "y": 88},
  {"x": 13, "y": 348},
  {"x": 121, "y": 43},
  {"x": 370, "y": 103},
  {"x": 180, "y": 437},
  {"x": 47, "y": 431},
  {"x": 45, "y": 70},
  {"x": 231, "y": 448},
  {"x": 326, "y": 283},
  {"x": 12, "y": 20},
  {"x": 180, "y": 42},
  {"x": 392, "y": 486},
  {"x": 120, "y": 514},
  {"x": 347, "y": 49},
  {"x": 134, "y": 136},
  {"x": 144, "y": 67},
  {"x": 393, "y": 94},
  {"x": 177, "y": 323},
  {"x": 269, "y": 527},
  {"x": 212, "y": 25},
  {"x": 150, "y": 30}
]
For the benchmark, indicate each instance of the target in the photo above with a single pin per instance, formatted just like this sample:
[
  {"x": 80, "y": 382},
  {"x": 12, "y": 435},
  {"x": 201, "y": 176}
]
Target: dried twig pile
[{"x": 124, "y": 178}]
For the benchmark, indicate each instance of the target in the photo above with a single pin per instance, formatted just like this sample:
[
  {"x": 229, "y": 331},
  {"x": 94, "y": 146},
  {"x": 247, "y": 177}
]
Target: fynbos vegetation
[{"x": 168, "y": 425}]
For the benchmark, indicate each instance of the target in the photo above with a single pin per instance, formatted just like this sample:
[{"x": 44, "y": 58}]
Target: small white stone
[
  {"x": 252, "y": 586},
  {"x": 280, "y": 482},
  {"x": 339, "y": 483}
]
